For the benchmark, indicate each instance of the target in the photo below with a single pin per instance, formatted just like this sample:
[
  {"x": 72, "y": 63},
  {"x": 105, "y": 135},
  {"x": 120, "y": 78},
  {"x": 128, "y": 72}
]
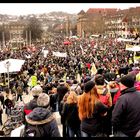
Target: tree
[
  {"x": 33, "y": 26},
  {"x": 5, "y": 33}
]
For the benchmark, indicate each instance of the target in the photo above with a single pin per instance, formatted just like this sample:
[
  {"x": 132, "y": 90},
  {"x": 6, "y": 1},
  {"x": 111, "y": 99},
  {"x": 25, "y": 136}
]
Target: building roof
[
  {"x": 101, "y": 10},
  {"x": 82, "y": 12}
]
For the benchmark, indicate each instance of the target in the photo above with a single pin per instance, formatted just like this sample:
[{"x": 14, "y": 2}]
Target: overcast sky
[{"x": 36, "y": 8}]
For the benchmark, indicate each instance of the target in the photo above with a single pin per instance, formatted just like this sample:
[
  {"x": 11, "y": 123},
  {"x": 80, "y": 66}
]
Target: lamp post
[
  {"x": 30, "y": 38},
  {"x": 3, "y": 39},
  {"x": 7, "y": 65}
]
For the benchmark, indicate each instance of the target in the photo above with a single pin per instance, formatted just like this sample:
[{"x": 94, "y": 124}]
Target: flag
[
  {"x": 83, "y": 34},
  {"x": 82, "y": 48},
  {"x": 70, "y": 32},
  {"x": 93, "y": 69},
  {"x": 95, "y": 45}
]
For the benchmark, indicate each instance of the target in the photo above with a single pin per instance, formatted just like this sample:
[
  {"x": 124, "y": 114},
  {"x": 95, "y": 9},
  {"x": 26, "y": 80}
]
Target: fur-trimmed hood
[{"x": 39, "y": 116}]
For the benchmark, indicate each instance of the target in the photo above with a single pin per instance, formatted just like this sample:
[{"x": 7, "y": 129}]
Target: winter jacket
[
  {"x": 53, "y": 102},
  {"x": 8, "y": 103},
  {"x": 70, "y": 115},
  {"x": 43, "y": 116},
  {"x": 126, "y": 113},
  {"x": 61, "y": 91},
  {"x": 76, "y": 87},
  {"x": 93, "y": 125}
]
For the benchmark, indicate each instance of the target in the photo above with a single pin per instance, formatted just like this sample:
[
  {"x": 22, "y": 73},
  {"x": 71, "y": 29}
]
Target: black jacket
[
  {"x": 61, "y": 91},
  {"x": 126, "y": 113},
  {"x": 70, "y": 115},
  {"x": 93, "y": 125},
  {"x": 42, "y": 116}
]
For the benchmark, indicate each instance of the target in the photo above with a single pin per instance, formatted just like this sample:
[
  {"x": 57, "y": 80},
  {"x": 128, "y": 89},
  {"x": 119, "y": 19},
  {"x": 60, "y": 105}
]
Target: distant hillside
[{"x": 60, "y": 14}]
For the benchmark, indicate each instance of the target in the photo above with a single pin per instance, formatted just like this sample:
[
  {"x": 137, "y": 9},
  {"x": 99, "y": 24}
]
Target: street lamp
[{"x": 7, "y": 65}]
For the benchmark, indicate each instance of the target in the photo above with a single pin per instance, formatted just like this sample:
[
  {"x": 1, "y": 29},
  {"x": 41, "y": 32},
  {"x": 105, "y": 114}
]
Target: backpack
[
  {"x": 33, "y": 131},
  {"x": 104, "y": 97},
  {"x": 115, "y": 93}
]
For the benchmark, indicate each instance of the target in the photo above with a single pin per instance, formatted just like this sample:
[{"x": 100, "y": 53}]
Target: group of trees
[
  {"x": 4, "y": 34},
  {"x": 34, "y": 27}
]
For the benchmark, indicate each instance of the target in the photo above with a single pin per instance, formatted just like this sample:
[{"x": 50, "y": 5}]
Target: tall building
[
  {"x": 110, "y": 21},
  {"x": 16, "y": 30}
]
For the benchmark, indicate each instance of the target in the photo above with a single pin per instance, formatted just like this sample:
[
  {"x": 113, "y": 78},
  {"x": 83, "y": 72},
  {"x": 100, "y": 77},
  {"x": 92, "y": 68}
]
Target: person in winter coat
[
  {"x": 1, "y": 111},
  {"x": 91, "y": 111},
  {"x": 53, "y": 100},
  {"x": 105, "y": 98},
  {"x": 19, "y": 92},
  {"x": 70, "y": 115},
  {"x": 2, "y": 99},
  {"x": 33, "y": 103},
  {"x": 103, "y": 91},
  {"x": 75, "y": 87},
  {"x": 8, "y": 104},
  {"x": 42, "y": 118},
  {"x": 62, "y": 104},
  {"x": 61, "y": 91},
  {"x": 126, "y": 113}
]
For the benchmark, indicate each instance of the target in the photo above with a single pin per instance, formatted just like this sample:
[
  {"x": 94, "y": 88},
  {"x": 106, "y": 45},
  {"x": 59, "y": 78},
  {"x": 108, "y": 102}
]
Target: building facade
[
  {"x": 113, "y": 22},
  {"x": 15, "y": 30}
]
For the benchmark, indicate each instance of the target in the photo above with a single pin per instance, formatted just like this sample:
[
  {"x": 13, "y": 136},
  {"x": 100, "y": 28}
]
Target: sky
[{"x": 73, "y": 8}]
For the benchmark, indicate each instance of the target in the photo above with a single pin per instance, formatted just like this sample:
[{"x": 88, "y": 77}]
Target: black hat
[
  {"x": 88, "y": 86},
  {"x": 61, "y": 81},
  {"x": 75, "y": 81},
  {"x": 100, "y": 71},
  {"x": 128, "y": 81}
]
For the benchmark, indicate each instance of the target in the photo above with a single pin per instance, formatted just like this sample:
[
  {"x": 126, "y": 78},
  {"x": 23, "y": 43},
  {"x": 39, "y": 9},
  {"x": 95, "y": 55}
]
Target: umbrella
[{"x": 67, "y": 43}]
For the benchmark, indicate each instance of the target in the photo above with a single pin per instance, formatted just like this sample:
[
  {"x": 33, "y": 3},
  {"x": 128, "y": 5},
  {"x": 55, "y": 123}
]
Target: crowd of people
[{"x": 102, "y": 102}]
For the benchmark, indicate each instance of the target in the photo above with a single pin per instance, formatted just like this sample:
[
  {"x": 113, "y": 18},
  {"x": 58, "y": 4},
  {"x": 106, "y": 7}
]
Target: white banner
[
  {"x": 45, "y": 52},
  {"x": 58, "y": 54},
  {"x": 13, "y": 65},
  {"x": 134, "y": 48}
]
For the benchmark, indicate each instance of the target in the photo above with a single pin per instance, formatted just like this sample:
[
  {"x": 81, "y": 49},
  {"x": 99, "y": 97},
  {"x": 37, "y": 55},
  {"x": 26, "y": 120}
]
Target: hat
[
  {"x": 128, "y": 81},
  {"x": 61, "y": 81},
  {"x": 88, "y": 86},
  {"x": 36, "y": 90},
  {"x": 75, "y": 81},
  {"x": 100, "y": 71},
  {"x": 43, "y": 100}
]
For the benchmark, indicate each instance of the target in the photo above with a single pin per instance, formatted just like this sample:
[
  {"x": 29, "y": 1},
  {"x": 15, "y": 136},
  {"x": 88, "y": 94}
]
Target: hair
[
  {"x": 7, "y": 90},
  {"x": 65, "y": 97},
  {"x": 99, "y": 80},
  {"x": 86, "y": 103},
  {"x": 112, "y": 84},
  {"x": 72, "y": 97},
  {"x": 75, "y": 81}
]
